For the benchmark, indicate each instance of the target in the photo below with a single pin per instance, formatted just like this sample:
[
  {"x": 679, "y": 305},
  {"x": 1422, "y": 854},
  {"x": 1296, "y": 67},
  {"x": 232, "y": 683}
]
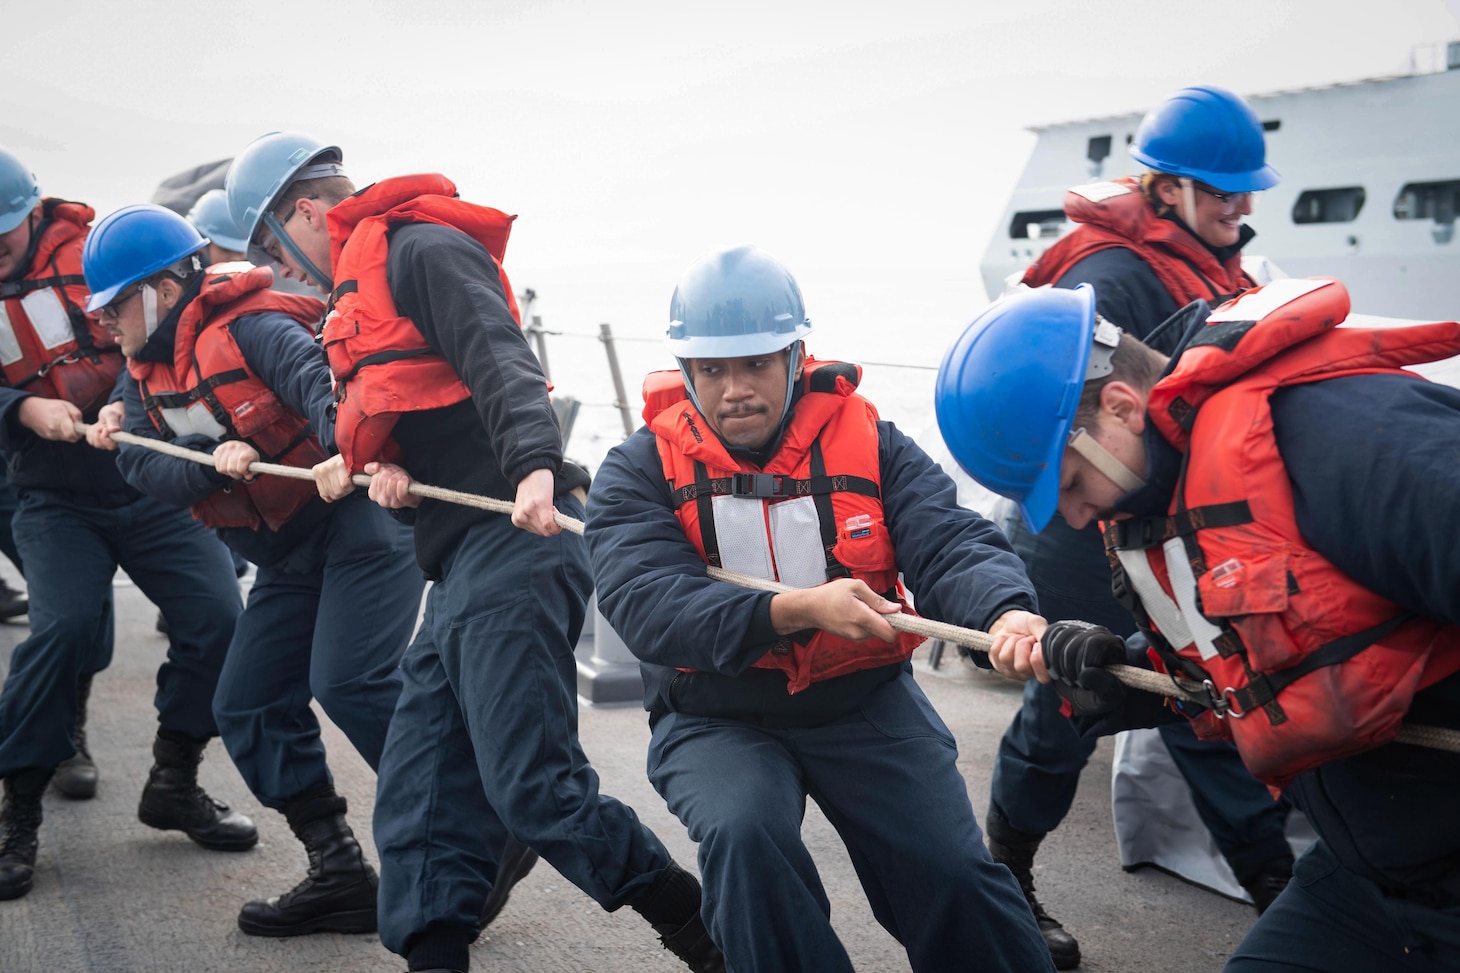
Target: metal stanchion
[
  {"x": 608, "y": 673},
  {"x": 621, "y": 400},
  {"x": 534, "y": 330}
]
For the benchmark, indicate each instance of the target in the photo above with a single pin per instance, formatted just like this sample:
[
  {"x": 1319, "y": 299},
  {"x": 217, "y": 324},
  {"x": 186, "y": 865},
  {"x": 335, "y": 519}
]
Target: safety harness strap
[
  {"x": 824, "y": 513},
  {"x": 1263, "y": 688},
  {"x": 19, "y": 288},
  {"x": 774, "y": 486}
]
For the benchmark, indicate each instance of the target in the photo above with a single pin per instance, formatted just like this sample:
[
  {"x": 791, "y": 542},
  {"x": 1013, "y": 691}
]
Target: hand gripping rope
[{"x": 1146, "y": 680}]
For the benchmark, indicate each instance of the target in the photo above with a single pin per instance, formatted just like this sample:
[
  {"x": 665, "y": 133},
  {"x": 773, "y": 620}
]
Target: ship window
[
  {"x": 1436, "y": 201},
  {"x": 1329, "y": 205},
  {"x": 1033, "y": 224},
  {"x": 1272, "y": 124}
]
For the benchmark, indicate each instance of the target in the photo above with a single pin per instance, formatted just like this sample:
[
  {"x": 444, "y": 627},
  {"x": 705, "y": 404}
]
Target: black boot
[
  {"x": 516, "y": 861},
  {"x": 173, "y": 801},
  {"x": 1015, "y": 850},
  {"x": 672, "y": 906},
  {"x": 337, "y": 894},
  {"x": 20, "y": 820},
  {"x": 13, "y": 603},
  {"x": 76, "y": 776}
]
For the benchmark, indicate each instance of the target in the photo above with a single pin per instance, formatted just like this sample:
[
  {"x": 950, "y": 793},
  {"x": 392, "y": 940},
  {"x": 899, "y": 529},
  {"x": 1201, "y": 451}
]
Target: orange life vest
[
  {"x": 1117, "y": 214},
  {"x": 383, "y": 365},
  {"x": 1300, "y": 664},
  {"x": 811, "y": 514},
  {"x": 208, "y": 388},
  {"x": 48, "y": 345}
]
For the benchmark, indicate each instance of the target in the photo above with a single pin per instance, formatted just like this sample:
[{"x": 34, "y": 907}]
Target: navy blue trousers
[
  {"x": 887, "y": 779},
  {"x": 101, "y": 655},
  {"x": 71, "y": 551},
  {"x": 330, "y": 624},
  {"x": 1037, "y": 769},
  {"x": 1332, "y": 920},
  {"x": 484, "y": 741}
]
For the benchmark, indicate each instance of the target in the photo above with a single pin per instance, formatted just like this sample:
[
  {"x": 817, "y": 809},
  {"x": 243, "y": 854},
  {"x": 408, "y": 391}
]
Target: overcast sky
[{"x": 870, "y": 145}]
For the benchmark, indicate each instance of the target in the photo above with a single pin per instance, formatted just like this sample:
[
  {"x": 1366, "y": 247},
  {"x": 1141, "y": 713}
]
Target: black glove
[{"x": 1074, "y": 653}]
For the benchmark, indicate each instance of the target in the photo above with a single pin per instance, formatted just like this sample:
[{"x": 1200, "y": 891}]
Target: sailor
[
  {"x": 1152, "y": 245},
  {"x": 1275, "y": 493},
  {"x": 435, "y": 381},
  {"x": 1148, "y": 247},
  {"x": 761, "y": 460},
  {"x": 217, "y": 362},
  {"x": 76, "y": 777},
  {"x": 77, "y": 520},
  {"x": 211, "y": 218}
]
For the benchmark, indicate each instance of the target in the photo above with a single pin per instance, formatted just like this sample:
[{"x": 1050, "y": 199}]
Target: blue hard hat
[
  {"x": 132, "y": 244},
  {"x": 1209, "y": 134},
  {"x": 19, "y": 193},
  {"x": 261, "y": 173},
  {"x": 734, "y": 303},
  {"x": 1007, "y": 391},
  {"x": 210, "y": 215}
]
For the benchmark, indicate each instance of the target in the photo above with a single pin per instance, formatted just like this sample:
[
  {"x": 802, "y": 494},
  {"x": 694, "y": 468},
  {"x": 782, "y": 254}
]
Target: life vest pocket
[
  {"x": 1259, "y": 590},
  {"x": 335, "y": 338},
  {"x": 1246, "y": 586},
  {"x": 253, "y": 416},
  {"x": 864, "y": 548}
]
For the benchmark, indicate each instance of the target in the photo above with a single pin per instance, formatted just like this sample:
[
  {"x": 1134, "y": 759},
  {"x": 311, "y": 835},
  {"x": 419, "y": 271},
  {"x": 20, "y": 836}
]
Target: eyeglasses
[
  {"x": 1230, "y": 201},
  {"x": 112, "y": 311},
  {"x": 271, "y": 247}
]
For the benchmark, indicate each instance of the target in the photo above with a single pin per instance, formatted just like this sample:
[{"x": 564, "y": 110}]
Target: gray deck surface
[{"x": 113, "y": 895}]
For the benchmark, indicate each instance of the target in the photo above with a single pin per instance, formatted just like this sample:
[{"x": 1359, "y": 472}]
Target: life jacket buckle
[
  {"x": 760, "y": 485},
  {"x": 1214, "y": 701},
  {"x": 63, "y": 360},
  {"x": 1222, "y": 704},
  {"x": 1230, "y": 701}
]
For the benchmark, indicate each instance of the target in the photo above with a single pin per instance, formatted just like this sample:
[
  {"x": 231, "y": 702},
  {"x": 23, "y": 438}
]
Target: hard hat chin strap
[
  {"x": 305, "y": 264},
  {"x": 149, "y": 308},
  {"x": 793, "y": 357},
  {"x": 1103, "y": 460},
  {"x": 1188, "y": 202},
  {"x": 689, "y": 384}
]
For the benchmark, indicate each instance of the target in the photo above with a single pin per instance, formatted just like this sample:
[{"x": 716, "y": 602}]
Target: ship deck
[{"x": 113, "y": 895}]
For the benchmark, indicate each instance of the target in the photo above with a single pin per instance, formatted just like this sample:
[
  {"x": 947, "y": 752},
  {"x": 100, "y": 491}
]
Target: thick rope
[
  {"x": 359, "y": 479},
  {"x": 1437, "y": 738}
]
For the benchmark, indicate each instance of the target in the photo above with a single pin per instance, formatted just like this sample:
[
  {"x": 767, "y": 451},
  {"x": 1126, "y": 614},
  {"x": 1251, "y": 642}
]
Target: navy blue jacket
[
  {"x": 1376, "y": 483},
  {"x": 84, "y": 474},
  {"x": 287, "y": 360},
  {"x": 653, "y": 588},
  {"x": 447, "y": 284}
]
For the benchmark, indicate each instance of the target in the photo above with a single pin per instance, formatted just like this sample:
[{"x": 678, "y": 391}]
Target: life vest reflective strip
[
  {"x": 48, "y": 345},
  {"x": 208, "y": 388},
  {"x": 382, "y": 364},
  {"x": 1117, "y": 214},
  {"x": 1301, "y": 664},
  {"x": 811, "y": 514}
]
